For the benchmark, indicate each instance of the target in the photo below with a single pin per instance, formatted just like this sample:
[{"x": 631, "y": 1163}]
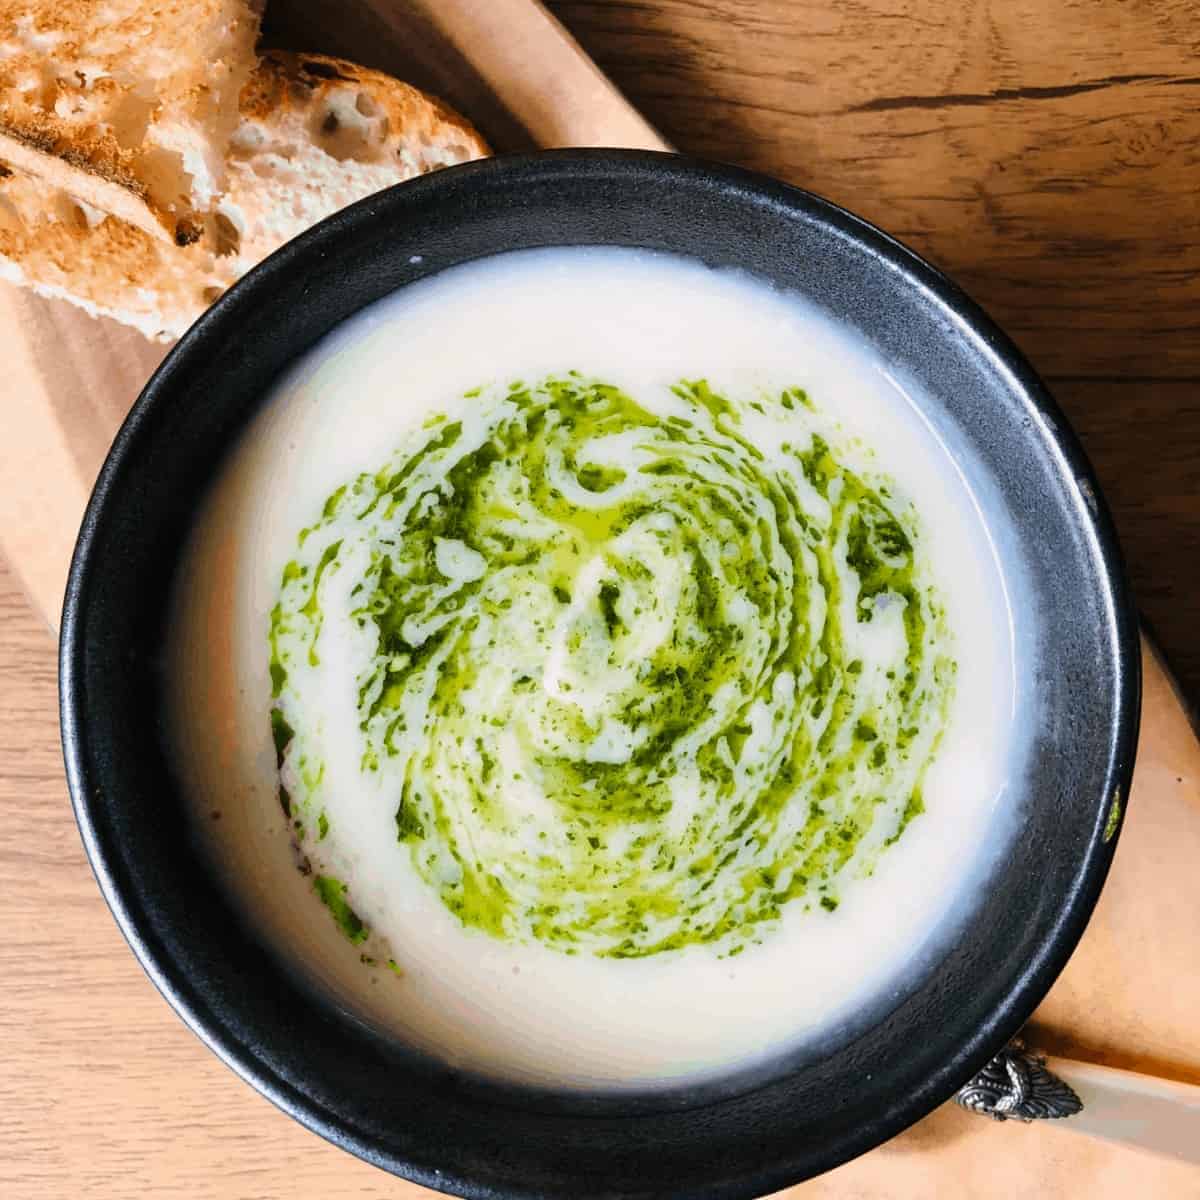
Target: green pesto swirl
[{"x": 629, "y": 674}]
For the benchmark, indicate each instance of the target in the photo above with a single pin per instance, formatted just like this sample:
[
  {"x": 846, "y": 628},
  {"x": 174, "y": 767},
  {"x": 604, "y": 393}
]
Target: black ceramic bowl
[{"x": 423, "y": 1122}]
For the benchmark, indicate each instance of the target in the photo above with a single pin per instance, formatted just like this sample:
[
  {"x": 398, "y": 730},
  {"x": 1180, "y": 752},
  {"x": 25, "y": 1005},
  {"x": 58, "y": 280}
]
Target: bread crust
[{"x": 289, "y": 82}]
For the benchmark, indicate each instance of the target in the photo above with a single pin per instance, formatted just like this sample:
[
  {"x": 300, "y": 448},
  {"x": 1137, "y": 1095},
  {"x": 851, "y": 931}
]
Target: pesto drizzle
[{"x": 631, "y": 684}]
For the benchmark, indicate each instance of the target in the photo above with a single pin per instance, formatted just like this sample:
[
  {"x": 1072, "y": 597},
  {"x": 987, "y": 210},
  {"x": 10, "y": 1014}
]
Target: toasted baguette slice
[
  {"x": 318, "y": 133},
  {"x": 64, "y": 248},
  {"x": 315, "y": 134},
  {"x": 126, "y": 104}
]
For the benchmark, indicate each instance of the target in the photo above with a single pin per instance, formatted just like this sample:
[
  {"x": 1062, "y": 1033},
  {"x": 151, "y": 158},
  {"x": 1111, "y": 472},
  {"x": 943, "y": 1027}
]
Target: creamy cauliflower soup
[{"x": 594, "y": 670}]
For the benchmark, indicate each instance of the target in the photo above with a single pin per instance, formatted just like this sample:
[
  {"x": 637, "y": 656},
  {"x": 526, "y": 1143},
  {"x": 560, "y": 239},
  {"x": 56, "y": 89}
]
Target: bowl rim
[{"x": 222, "y": 319}]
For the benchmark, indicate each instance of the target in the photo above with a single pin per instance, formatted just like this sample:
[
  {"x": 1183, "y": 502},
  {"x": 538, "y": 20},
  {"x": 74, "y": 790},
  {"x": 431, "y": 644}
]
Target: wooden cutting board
[{"x": 1130, "y": 995}]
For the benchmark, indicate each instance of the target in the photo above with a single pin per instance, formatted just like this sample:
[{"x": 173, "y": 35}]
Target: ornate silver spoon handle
[
  {"x": 1150, "y": 1112},
  {"x": 1016, "y": 1085}
]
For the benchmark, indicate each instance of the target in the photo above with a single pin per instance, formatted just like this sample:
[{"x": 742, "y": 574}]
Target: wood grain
[
  {"x": 1046, "y": 155},
  {"x": 45, "y": 475}
]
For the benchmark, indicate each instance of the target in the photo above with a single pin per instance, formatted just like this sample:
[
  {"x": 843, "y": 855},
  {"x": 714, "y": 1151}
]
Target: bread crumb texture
[{"x": 127, "y": 94}]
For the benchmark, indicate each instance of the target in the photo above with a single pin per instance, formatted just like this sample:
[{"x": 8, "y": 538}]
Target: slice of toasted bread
[
  {"x": 314, "y": 134},
  {"x": 64, "y": 248},
  {"x": 127, "y": 105},
  {"x": 318, "y": 133}
]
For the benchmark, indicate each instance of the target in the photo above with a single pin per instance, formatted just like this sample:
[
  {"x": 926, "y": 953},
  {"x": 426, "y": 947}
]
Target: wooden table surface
[{"x": 1047, "y": 154}]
